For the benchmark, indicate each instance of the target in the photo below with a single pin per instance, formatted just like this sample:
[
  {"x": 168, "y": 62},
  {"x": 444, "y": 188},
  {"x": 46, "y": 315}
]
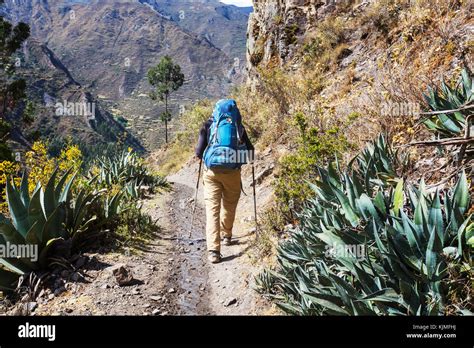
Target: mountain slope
[
  {"x": 50, "y": 84},
  {"x": 108, "y": 47},
  {"x": 222, "y": 25}
]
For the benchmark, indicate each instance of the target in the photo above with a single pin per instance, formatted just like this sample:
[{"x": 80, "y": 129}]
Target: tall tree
[
  {"x": 166, "y": 78},
  {"x": 12, "y": 88}
]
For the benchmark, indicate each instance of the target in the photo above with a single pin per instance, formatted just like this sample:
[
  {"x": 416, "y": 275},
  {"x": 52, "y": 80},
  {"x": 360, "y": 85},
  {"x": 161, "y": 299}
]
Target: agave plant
[
  {"x": 455, "y": 101},
  {"x": 379, "y": 163},
  {"x": 120, "y": 168},
  {"x": 50, "y": 215},
  {"x": 132, "y": 188},
  {"x": 113, "y": 205},
  {"x": 128, "y": 171},
  {"x": 406, "y": 247}
]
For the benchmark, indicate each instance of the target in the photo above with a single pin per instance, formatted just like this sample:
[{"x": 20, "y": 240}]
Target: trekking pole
[
  {"x": 254, "y": 198},
  {"x": 195, "y": 198}
]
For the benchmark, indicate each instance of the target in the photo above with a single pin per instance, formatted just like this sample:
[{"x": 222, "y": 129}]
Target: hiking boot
[
  {"x": 214, "y": 257},
  {"x": 227, "y": 241}
]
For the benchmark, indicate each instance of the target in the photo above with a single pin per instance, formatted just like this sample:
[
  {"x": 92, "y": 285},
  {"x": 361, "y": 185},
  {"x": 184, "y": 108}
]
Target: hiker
[{"x": 223, "y": 147}]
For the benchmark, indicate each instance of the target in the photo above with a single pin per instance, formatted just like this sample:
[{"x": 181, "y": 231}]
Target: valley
[{"x": 108, "y": 47}]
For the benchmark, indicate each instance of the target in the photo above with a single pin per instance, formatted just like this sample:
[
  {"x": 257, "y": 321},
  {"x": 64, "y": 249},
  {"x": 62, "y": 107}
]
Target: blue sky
[{"x": 238, "y": 2}]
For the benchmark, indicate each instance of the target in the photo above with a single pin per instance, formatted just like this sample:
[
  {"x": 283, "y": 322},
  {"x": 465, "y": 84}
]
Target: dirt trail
[
  {"x": 173, "y": 276},
  {"x": 225, "y": 288}
]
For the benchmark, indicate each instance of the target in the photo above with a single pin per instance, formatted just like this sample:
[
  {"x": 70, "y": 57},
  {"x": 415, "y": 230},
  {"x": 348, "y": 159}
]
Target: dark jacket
[{"x": 204, "y": 139}]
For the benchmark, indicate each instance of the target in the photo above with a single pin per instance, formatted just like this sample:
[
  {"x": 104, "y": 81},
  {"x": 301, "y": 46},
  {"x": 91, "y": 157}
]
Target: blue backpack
[{"x": 225, "y": 147}]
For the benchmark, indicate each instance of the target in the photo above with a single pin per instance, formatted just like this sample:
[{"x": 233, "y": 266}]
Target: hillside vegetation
[{"x": 63, "y": 208}]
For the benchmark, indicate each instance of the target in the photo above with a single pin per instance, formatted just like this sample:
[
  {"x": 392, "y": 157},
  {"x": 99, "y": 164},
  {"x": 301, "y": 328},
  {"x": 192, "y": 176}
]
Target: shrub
[
  {"x": 5, "y": 128},
  {"x": 324, "y": 46},
  {"x": 315, "y": 148},
  {"x": 29, "y": 112},
  {"x": 7, "y": 169},
  {"x": 291, "y": 32},
  {"x": 5, "y": 153},
  {"x": 42, "y": 166},
  {"x": 64, "y": 215},
  {"x": 383, "y": 14},
  {"x": 122, "y": 120},
  {"x": 133, "y": 229}
]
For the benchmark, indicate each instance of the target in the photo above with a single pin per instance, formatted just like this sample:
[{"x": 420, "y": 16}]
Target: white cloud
[{"x": 242, "y": 3}]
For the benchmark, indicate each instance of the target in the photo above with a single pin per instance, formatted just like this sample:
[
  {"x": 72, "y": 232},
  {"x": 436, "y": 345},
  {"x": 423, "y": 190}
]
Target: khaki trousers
[{"x": 221, "y": 196}]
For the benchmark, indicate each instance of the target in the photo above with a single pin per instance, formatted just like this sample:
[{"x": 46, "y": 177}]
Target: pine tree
[{"x": 166, "y": 77}]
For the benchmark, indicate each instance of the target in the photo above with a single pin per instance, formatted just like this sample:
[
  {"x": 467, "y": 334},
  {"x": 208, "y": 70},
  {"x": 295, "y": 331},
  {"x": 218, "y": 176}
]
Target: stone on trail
[
  {"x": 230, "y": 302},
  {"x": 171, "y": 291},
  {"x": 32, "y": 306},
  {"x": 59, "y": 291},
  {"x": 122, "y": 275}
]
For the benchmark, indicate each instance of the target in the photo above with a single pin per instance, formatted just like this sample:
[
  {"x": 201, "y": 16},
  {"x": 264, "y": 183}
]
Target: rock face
[
  {"x": 123, "y": 275},
  {"x": 275, "y": 28}
]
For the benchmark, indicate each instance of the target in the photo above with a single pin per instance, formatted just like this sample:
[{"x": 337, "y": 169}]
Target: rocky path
[{"x": 171, "y": 275}]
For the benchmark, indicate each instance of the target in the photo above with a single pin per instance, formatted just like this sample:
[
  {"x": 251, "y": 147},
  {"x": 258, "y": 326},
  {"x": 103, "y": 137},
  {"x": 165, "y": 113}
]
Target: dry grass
[{"x": 174, "y": 156}]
